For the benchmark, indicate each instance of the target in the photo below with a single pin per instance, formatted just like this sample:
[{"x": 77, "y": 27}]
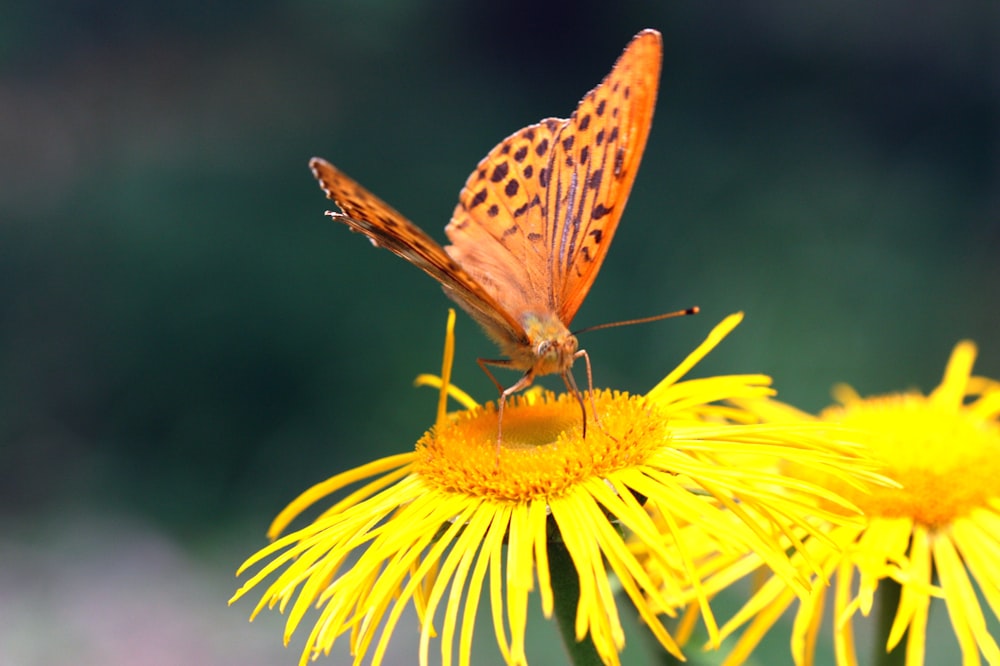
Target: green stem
[
  {"x": 888, "y": 603},
  {"x": 566, "y": 595}
]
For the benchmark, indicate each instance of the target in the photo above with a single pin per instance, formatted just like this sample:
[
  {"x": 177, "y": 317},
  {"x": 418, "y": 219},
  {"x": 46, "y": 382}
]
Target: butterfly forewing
[
  {"x": 593, "y": 165},
  {"x": 498, "y": 227},
  {"x": 366, "y": 213},
  {"x": 535, "y": 219}
]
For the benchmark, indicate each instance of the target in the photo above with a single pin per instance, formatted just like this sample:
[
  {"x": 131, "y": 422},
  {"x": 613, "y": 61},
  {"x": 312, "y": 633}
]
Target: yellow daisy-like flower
[
  {"x": 434, "y": 526},
  {"x": 936, "y": 536}
]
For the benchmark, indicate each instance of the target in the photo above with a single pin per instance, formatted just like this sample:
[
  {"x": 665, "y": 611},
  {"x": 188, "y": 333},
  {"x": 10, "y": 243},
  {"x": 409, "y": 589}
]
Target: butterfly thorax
[{"x": 551, "y": 347}]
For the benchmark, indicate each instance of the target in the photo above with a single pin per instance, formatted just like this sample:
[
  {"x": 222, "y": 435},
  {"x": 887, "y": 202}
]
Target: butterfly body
[{"x": 534, "y": 220}]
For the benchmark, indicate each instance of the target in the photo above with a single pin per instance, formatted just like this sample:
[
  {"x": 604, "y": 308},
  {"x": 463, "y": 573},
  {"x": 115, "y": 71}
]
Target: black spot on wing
[{"x": 500, "y": 172}]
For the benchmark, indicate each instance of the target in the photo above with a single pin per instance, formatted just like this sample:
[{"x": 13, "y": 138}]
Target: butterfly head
[{"x": 553, "y": 347}]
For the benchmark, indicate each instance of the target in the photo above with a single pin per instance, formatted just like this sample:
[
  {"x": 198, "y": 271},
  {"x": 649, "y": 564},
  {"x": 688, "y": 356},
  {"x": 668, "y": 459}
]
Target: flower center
[
  {"x": 947, "y": 460},
  {"x": 543, "y": 451}
]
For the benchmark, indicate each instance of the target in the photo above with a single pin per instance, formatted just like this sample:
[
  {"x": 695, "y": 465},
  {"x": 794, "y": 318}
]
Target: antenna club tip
[{"x": 693, "y": 310}]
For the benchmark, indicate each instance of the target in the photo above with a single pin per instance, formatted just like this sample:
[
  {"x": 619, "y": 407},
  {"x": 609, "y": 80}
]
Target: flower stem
[
  {"x": 888, "y": 603},
  {"x": 566, "y": 596}
]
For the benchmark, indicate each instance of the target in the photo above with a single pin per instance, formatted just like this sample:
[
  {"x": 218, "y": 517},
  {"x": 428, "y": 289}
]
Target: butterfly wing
[
  {"x": 536, "y": 217},
  {"x": 497, "y": 229},
  {"x": 593, "y": 165},
  {"x": 385, "y": 227}
]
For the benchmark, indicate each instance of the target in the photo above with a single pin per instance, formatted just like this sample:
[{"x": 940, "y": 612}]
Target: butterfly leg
[
  {"x": 570, "y": 382},
  {"x": 500, "y": 363},
  {"x": 523, "y": 383},
  {"x": 590, "y": 391}
]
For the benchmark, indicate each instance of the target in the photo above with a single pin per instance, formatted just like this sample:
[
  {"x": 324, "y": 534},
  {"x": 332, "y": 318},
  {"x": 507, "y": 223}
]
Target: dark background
[{"x": 186, "y": 342}]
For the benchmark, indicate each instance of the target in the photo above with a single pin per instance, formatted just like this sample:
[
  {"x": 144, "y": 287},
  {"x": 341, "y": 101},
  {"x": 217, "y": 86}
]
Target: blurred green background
[{"x": 186, "y": 342}]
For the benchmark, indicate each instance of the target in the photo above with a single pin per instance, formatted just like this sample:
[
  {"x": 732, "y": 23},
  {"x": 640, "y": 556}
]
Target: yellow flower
[
  {"x": 938, "y": 535},
  {"x": 436, "y": 525}
]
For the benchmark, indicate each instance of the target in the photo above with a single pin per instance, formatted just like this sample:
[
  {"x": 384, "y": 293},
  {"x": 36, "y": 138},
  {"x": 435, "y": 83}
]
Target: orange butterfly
[{"x": 533, "y": 222}]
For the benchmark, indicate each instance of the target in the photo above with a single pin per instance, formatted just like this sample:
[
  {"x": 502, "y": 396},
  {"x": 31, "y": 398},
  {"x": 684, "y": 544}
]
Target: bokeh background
[{"x": 186, "y": 342}]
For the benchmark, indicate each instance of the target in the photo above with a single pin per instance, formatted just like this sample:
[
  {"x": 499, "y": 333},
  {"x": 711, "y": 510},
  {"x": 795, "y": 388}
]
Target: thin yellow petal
[
  {"x": 763, "y": 620},
  {"x": 956, "y": 376},
  {"x": 981, "y": 552},
  {"x": 494, "y": 541},
  {"x": 519, "y": 579},
  {"x": 716, "y": 336},
  {"x": 630, "y": 572},
  {"x": 447, "y": 361},
  {"x": 805, "y": 628},
  {"x": 963, "y": 606},
  {"x": 688, "y": 623},
  {"x": 693, "y": 394},
  {"x": 538, "y": 521},
  {"x": 455, "y": 570},
  {"x": 914, "y": 602},
  {"x": 575, "y": 514},
  {"x": 489, "y": 539},
  {"x": 446, "y": 569},
  {"x": 335, "y": 483},
  {"x": 390, "y": 589},
  {"x": 455, "y": 393},
  {"x": 843, "y": 634}
]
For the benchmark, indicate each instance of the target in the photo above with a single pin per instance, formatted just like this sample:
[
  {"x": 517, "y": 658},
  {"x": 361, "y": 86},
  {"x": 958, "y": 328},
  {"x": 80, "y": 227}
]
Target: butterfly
[{"x": 533, "y": 223}]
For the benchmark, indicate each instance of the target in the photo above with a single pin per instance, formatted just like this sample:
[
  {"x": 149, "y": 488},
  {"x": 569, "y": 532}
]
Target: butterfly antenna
[{"x": 643, "y": 320}]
